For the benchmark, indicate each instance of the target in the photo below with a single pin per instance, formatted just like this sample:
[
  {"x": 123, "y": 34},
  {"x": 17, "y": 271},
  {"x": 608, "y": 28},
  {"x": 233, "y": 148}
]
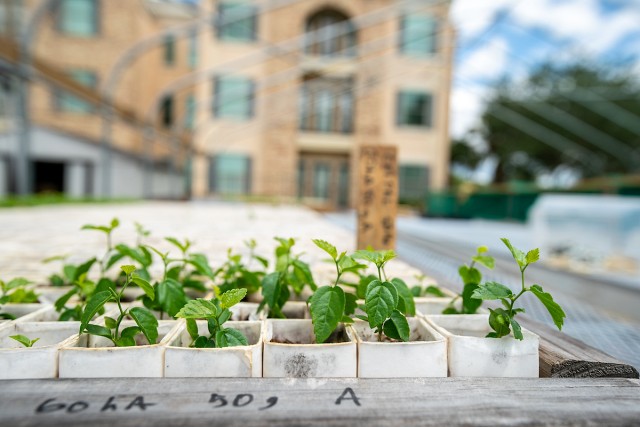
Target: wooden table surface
[{"x": 321, "y": 402}]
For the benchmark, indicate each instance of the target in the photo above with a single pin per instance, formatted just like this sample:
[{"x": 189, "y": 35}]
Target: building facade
[
  {"x": 278, "y": 95},
  {"x": 297, "y": 86}
]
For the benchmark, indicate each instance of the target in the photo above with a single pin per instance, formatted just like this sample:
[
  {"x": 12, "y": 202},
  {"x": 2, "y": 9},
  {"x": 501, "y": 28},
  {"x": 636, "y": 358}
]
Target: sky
[{"x": 498, "y": 38}]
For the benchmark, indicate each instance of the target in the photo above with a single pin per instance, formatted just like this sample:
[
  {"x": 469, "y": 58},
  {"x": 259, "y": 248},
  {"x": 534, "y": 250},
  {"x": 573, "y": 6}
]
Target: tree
[{"x": 576, "y": 116}]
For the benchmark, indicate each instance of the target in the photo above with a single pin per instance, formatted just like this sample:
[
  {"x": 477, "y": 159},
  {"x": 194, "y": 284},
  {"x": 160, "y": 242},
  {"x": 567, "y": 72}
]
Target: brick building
[{"x": 278, "y": 94}]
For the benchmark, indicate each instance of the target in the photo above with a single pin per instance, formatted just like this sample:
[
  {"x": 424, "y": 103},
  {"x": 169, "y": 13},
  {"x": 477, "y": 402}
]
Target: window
[
  {"x": 414, "y": 109},
  {"x": 230, "y": 174},
  {"x": 166, "y": 112},
  {"x": 322, "y": 174},
  {"x": 330, "y": 33},
  {"x": 413, "y": 181},
  {"x": 193, "y": 50},
  {"x": 78, "y": 17},
  {"x": 72, "y": 104},
  {"x": 190, "y": 112},
  {"x": 237, "y": 21},
  {"x": 418, "y": 35},
  {"x": 233, "y": 97},
  {"x": 169, "y": 50},
  {"x": 326, "y": 105}
]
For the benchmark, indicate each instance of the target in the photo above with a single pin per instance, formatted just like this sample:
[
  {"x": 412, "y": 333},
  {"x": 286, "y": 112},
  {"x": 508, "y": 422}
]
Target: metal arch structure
[
  {"x": 125, "y": 60},
  {"x": 24, "y": 179}
]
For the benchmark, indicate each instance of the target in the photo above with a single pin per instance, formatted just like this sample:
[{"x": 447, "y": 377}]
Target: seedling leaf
[
  {"x": 145, "y": 286},
  {"x": 97, "y": 301},
  {"x": 128, "y": 269},
  {"x": 232, "y": 297},
  {"x": 99, "y": 330},
  {"x": 517, "y": 254},
  {"x": 380, "y": 300},
  {"x": 198, "y": 309},
  {"x": 327, "y": 306},
  {"x": 25, "y": 341},
  {"x": 491, "y": 291},
  {"x": 327, "y": 247},
  {"x": 147, "y": 323},
  {"x": 397, "y": 327},
  {"x": 230, "y": 337},
  {"x": 557, "y": 313}
]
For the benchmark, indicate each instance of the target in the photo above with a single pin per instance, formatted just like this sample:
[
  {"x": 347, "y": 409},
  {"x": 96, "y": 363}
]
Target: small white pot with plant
[
  {"x": 495, "y": 345},
  {"x": 30, "y": 349},
  {"x": 207, "y": 344},
  {"x": 118, "y": 347}
]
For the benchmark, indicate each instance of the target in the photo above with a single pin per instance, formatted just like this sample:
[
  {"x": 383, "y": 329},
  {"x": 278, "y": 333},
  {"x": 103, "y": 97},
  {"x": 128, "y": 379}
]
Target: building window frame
[
  {"x": 428, "y": 29},
  {"x": 66, "y": 102},
  {"x": 169, "y": 50},
  {"x": 412, "y": 115},
  {"x": 413, "y": 187},
  {"x": 233, "y": 30},
  {"x": 327, "y": 106},
  {"x": 95, "y": 19},
  {"x": 167, "y": 111},
  {"x": 218, "y": 184},
  {"x": 223, "y": 98}
]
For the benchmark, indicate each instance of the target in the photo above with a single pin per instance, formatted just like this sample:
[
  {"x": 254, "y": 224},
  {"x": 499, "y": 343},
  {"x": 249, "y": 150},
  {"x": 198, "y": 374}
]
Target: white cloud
[
  {"x": 467, "y": 103},
  {"x": 471, "y": 17},
  {"x": 486, "y": 62}
]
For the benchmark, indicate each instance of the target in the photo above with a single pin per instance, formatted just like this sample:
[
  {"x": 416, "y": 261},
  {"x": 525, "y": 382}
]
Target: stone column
[{"x": 75, "y": 179}]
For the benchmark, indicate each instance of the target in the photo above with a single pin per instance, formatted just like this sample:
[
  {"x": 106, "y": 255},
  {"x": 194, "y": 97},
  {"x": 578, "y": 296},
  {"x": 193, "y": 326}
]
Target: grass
[{"x": 54, "y": 199}]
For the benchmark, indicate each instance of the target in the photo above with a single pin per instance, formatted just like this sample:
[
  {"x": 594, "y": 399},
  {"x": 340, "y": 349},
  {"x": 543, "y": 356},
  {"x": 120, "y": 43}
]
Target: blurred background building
[{"x": 144, "y": 98}]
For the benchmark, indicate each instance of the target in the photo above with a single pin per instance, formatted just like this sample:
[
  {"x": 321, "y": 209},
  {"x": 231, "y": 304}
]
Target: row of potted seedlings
[{"x": 362, "y": 324}]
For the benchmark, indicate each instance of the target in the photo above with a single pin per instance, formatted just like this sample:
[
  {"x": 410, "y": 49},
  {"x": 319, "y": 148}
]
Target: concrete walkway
[{"x": 29, "y": 235}]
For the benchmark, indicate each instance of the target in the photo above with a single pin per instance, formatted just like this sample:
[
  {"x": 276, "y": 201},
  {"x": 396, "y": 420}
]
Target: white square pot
[
  {"x": 294, "y": 310},
  {"x": 289, "y": 351},
  {"x": 39, "y": 361},
  {"x": 429, "y": 306},
  {"x": 27, "y": 312},
  {"x": 425, "y": 355},
  {"x": 473, "y": 355},
  {"x": 245, "y": 311},
  {"x": 231, "y": 362},
  {"x": 89, "y": 356}
]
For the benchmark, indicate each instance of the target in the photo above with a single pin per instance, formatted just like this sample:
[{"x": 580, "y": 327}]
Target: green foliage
[
  {"x": 330, "y": 305},
  {"x": 386, "y": 303},
  {"x": 146, "y": 322},
  {"x": 237, "y": 273},
  {"x": 290, "y": 275},
  {"x": 28, "y": 343},
  {"x": 502, "y": 320},
  {"x": 471, "y": 278},
  {"x": 552, "y": 99},
  {"x": 216, "y": 312},
  {"x": 17, "y": 291}
]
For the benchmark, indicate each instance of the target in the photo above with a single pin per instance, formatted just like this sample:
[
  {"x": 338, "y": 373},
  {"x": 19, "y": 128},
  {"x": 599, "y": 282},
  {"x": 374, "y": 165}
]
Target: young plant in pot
[
  {"x": 118, "y": 347},
  {"x": 237, "y": 273},
  {"x": 17, "y": 298},
  {"x": 496, "y": 345},
  {"x": 291, "y": 276},
  {"x": 209, "y": 345},
  {"x": 385, "y": 333},
  {"x": 471, "y": 279},
  {"x": 322, "y": 346}
]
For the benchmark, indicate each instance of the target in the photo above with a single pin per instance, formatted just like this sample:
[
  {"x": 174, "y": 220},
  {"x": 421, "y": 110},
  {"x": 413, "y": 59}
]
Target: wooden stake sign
[{"x": 377, "y": 197}]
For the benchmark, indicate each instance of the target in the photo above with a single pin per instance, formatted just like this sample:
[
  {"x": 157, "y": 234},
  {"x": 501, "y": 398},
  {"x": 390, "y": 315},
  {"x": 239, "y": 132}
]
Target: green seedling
[
  {"x": 107, "y": 260},
  {"x": 386, "y": 301},
  {"x": 291, "y": 274},
  {"x": 216, "y": 312},
  {"x": 82, "y": 289},
  {"x": 236, "y": 274},
  {"x": 471, "y": 277},
  {"x": 330, "y": 305},
  {"x": 431, "y": 290},
  {"x": 146, "y": 322},
  {"x": 17, "y": 291},
  {"x": 28, "y": 343},
  {"x": 502, "y": 320},
  {"x": 70, "y": 272}
]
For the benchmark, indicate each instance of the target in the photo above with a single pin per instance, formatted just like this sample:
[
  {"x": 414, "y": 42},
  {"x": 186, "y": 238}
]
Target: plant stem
[
  {"x": 380, "y": 334},
  {"x": 379, "y": 274},
  {"x": 522, "y": 291}
]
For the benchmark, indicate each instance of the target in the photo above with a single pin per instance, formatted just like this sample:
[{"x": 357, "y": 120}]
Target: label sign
[{"x": 377, "y": 197}]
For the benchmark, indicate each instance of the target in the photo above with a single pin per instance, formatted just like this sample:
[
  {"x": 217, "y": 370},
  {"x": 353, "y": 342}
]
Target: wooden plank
[
  {"x": 377, "y": 197},
  {"x": 562, "y": 356},
  {"x": 321, "y": 402}
]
